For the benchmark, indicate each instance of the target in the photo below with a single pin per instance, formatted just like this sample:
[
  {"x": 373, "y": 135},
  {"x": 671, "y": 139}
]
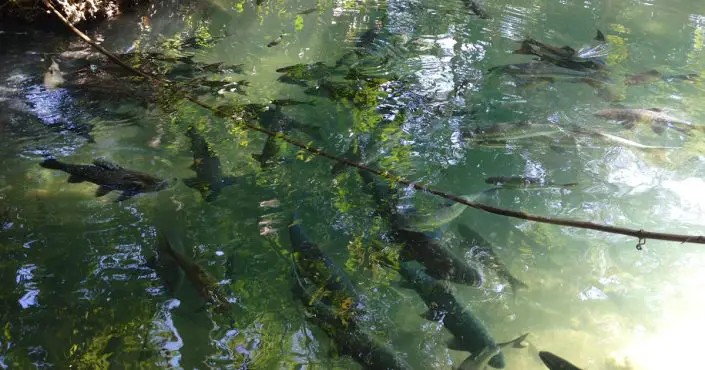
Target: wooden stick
[{"x": 642, "y": 235}]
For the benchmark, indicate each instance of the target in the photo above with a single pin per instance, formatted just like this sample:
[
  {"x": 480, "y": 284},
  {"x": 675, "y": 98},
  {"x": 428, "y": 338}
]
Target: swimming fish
[
  {"x": 109, "y": 176},
  {"x": 524, "y": 182},
  {"x": 209, "y": 178},
  {"x": 483, "y": 251}
]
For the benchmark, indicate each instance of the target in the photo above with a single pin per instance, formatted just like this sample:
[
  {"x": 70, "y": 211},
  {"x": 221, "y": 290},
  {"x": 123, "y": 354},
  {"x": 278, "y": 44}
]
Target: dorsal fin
[{"x": 104, "y": 163}]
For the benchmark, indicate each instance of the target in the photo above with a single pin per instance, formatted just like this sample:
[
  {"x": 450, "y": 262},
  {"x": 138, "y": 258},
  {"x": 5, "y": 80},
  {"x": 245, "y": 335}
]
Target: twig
[{"x": 641, "y": 235}]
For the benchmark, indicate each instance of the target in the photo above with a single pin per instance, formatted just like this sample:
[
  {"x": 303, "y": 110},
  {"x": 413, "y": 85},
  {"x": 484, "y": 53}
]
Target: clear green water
[{"x": 76, "y": 286}]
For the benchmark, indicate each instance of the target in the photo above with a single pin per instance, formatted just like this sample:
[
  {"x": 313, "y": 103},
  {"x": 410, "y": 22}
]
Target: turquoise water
[{"x": 78, "y": 286}]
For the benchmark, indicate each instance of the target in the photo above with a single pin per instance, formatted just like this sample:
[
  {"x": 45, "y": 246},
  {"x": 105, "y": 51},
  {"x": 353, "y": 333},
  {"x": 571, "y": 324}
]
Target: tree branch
[{"x": 642, "y": 235}]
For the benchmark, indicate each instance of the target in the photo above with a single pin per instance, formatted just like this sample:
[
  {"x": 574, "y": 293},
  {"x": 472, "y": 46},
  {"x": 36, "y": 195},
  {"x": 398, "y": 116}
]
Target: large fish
[
  {"x": 439, "y": 261},
  {"x": 483, "y": 251},
  {"x": 274, "y": 119},
  {"x": 554, "y": 362},
  {"x": 209, "y": 178},
  {"x": 658, "y": 119},
  {"x": 565, "y": 56},
  {"x": 109, "y": 176},
  {"x": 206, "y": 286},
  {"x": 469, "y": 333},
  {"x": 347, "y": 335},
  {"x": 320, "y": 269},
  {"x": 444, "y": 215},
  {"x": 523, "y": 182},
  {"x": 653, "y": 75},
  {"x": 540, "y": 69}
]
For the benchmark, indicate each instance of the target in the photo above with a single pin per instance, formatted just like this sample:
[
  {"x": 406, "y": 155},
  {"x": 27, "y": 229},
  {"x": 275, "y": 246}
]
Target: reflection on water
[{"x": 405, "y": 87}]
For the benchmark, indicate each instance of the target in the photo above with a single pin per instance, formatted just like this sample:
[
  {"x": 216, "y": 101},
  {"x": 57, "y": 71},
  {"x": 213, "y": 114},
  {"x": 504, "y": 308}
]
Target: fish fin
[
  {"x": 454, "y": 344},
  {"x": 104, "y": 163},
  {"x": 433, "y": 315},
  {"x": 656, "y": 110},
  {"x": 193, "y": 166},
  {"x": 125, "y": 195},
  {"x": 481, "y": 359},
  {"x": 600, "y": 36},
  {"x": 569, "y": 49},
  {"x": 518, "y": 342},
  {"x": 102, "y": 190},
  {"x": 75, "y": 179}
]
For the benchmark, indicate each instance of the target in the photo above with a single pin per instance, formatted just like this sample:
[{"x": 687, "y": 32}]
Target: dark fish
[
  {"x": 523, "y": 182},
  {"x": 554, "y": 362},
  {"x": 653, "y": 75},
  {"x": 564, "y": 56},
  {"x": 286, "y": 79},
  {"x": 276, "y": 41},
  {"x": 109, "y": 177},
  {"x": 483, "y": 251},
  {"x": 321, "y": 270},
  {"x": 439, "y": 261},
  {"x": 307, "y": 72},
  {"x": 274, "y": 119},
  {"x": 308, "y": 11},
  {"x": 469, "y": 333},
  {"x": 204, "y": 283},
  {"x": 209, "y": 178},
  {"x": 347, "y": 335},
  {"x": 539, "y": 69},
  {"x": 476, "y": 8},
  {"x": 659, "y": 120}
]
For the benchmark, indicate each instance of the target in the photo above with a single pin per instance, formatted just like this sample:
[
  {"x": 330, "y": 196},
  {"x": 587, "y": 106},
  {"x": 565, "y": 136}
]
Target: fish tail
[{"x": 52, "y": 164}]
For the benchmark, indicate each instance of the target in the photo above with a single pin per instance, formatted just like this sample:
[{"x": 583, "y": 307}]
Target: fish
[
  {"x": 470, "y": 334},
  {"x": 205, "y": 284},
  {"x": 306, "y": 72},
  {"x": 524, "y": 182},
  {"x": 309, "y": 11},
  {"x": 483, "y": 251},
  {"x": 653, "y": 75},
  {"x": 649, "y": 76},
  {"x": 276, "y": 41},
  {"x": 209, "y": 178},
  {"x": 53, "y": 78},
  {"x": 349, "y": 338},
  {"x": 477, "y": 9},
  {"x": 542, "y": 69},
  {"x": 109, "y": 176},
  {"x": 481, "y": 361},
  {"x": 554, "y": 362},
  {"x": 621, "y": 140},
  {"x": 320, "y": 269},
  {"x": 439, "y": 261},
  {"x": 443, "y": 215},
  {"x": 274, "y": 119},
  {"x": 565, "y": 56},
  {"x": 659, "y": 120}
]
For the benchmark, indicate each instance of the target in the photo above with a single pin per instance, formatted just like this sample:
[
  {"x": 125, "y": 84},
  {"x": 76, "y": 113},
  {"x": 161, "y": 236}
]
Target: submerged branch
[{"x": 642, "y": 235}]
